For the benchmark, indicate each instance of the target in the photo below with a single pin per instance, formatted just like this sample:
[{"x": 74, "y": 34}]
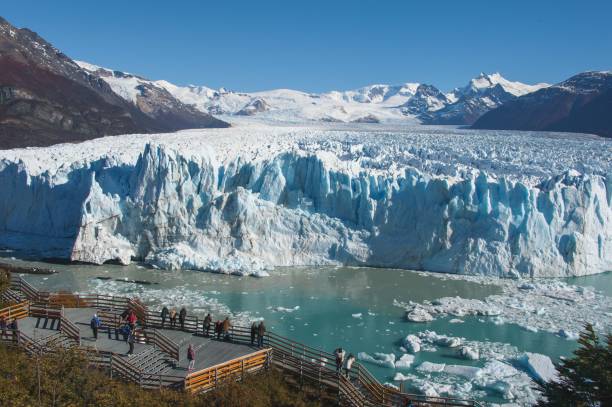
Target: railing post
[
  {"x": 111, "y": 366},
  {"x": 215, "y": 377}
]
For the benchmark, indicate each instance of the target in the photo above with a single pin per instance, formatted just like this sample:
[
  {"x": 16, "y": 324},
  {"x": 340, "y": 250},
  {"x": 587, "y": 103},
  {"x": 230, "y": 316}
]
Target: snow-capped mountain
[
  {"x": 480, "y": 95},
  {"x": 580, "y": 104},
  {"x": 46, "y": 98},
  {"x": 152, "y": 99}
]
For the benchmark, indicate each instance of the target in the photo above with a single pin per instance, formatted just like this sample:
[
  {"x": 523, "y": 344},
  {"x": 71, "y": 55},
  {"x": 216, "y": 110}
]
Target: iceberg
[
  {"x": 412, "y": 343},
  {"x": 381, "y": 359},
  {"x": 245, "y": 200},
  {"x": 539, "y": 366}
]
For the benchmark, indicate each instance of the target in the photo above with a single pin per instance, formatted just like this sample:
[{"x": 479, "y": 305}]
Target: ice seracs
[{"x": 246, "y": 199}]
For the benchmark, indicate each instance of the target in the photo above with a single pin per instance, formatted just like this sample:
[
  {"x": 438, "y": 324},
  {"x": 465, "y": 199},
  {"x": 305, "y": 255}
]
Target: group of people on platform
[
  {"x": 127, "y": 328},
  {"x": 342, "y": 360},
  {"x": 129, "y": 319}
]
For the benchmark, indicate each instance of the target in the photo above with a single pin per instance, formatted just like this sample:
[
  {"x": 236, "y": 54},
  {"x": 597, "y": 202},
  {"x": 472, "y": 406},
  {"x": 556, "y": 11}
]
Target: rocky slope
[
  {"x": 580, "y": 104},
  {"x": 46, "y": 98}
]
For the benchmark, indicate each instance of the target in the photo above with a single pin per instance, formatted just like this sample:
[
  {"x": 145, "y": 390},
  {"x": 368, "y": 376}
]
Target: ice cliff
[{"x": 174, "y": 209}]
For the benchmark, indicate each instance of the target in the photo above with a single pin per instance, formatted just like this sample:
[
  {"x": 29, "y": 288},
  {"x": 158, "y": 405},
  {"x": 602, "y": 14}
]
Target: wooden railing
[
  {"x": 120, "y": 367},
  {"x": 232, "y": 370},
  {"x": 17, "y": 311},
  {"x": 159, "y": 341},
  {"x": 69, "y": 329}
]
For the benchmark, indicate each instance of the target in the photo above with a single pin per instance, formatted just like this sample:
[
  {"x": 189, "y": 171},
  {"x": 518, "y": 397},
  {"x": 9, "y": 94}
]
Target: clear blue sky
[{"x": 321, "y": 45}]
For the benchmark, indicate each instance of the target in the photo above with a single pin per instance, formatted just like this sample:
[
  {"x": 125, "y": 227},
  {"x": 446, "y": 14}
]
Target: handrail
[
  {"x": 68, "y": 328},
  {"x": 231, "y": 370},
  {"x": 17, "y": 311}
]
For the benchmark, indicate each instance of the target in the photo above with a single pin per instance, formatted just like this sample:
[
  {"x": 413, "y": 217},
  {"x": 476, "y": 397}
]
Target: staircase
[{"x": 152, "y": 364}]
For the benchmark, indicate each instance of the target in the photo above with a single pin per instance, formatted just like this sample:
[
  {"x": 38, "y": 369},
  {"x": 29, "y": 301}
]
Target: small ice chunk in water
[
  {"x": 357, "y": 315},
  {"x": 412, "y": 343},
  {"x": 568, "y": 334},
  {"x": 419, "y": 315},
  {"x": 405, "y": 361},
  {"x": 539, "y": 366},
  {"x": 381, "y": 359},
  {"x": 468, "y": 353},
  {"x": 430, "y": 367}
]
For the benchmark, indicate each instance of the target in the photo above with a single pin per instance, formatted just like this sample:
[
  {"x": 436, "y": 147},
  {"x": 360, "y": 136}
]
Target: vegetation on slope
[{"x": 64, "y": 379}]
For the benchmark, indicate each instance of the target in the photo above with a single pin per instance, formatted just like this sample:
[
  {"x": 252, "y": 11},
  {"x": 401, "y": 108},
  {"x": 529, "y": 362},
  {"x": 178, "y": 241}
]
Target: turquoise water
[{"x": 320, "y": 305}]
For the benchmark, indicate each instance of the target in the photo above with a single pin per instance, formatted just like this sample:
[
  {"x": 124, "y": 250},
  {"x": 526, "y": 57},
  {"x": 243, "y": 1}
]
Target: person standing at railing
[
  {"x": 191, "y": 357},
  {"x": 218, "y": 329},
  {"x": 206, "y": 326},
  {"x": 164, "y": 315},
  {"x": 349, "y": 364},
  {"x": 182, "y": 317},
  {"x": 261, "y": 332},
  {"x": 227, "y": 325},
  {"x": 339, "y": 353},
  {"x": 95, "y": 324},
  {"x": 172, "y": 317},
  {"x": 254, "y": 331},
  {"x": 132, "y": 319}
]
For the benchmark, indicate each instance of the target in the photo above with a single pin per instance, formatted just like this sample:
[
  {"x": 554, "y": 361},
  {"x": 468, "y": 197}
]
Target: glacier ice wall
[{"x": 296, "y": 208}]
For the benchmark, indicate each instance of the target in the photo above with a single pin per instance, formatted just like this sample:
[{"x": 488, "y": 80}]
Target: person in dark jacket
[
  {"x": 131, "y": 340},
  {"x": 206, "y": 326},
  {"x": 218, "y": 328},
  {"x": 261, "y": 332},
  {"x": 254, "y": 331},
  {"x": 164, "y": 315},
  {"x": 182, "y": 317},
  {"x": 95, "y": 325}
]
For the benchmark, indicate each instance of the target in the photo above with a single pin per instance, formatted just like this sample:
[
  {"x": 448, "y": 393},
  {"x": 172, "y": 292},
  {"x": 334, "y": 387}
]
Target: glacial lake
[{"x": 324, "y": 307}]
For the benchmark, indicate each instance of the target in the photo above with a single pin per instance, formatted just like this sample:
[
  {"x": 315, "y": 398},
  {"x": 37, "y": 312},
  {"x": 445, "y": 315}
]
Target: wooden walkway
[{"x": 47, "y": 320}]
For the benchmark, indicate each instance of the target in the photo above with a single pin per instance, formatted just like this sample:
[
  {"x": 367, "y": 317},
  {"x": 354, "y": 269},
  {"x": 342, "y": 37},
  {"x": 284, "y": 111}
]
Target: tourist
[
  {"x": 3, "y": 325},
  {"x": 131, "y": 340},
  {"x": 125, "y": 332},
  {"x": 15, "y": 328},
  {"x": 131, "y": 320},
  {"x": 339, "y": 353},
  {"x": 349, "y": 364},
  {"x": 125, "y": 314},
  {"x": 226, "y": 329},
  {"x": 206, "y": 326},
  {"x": 261, "y": 331},
  {"x": 164, "y": 315},
  {"x": 191, "y": 357},
  {"x": 218, "y": 328},
  {"x": 254, "y": 331},
  {"x": 95, "y": 324},
  {"x": 172, "y": 317},
  {"x": 182, "y": 317}
]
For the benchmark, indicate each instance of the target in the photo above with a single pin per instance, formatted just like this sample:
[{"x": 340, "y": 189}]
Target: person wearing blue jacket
[{"x": 95, "y": 324}]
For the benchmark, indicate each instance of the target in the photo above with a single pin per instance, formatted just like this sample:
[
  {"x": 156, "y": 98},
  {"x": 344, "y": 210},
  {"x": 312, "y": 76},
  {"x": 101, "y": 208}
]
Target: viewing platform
[{"x": 46, "y": 321}]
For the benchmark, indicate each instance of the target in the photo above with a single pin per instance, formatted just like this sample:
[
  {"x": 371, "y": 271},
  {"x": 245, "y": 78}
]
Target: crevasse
[{"x": 174, "y": 211}]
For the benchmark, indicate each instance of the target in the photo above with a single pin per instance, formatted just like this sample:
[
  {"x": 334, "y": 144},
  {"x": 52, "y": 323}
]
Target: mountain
[
  {"x": 152, "y": 99},
  {"x": 582, "y": 103},
  {"x": 411, "y": 102},
  {"x": 46, "y": 98},
  {"x": 427, "y": 98},
  {"x": 481, "y": 94}
]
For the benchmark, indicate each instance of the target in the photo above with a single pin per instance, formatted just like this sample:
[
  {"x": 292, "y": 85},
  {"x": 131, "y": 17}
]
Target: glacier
[{"x": 246, "y": 199}]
